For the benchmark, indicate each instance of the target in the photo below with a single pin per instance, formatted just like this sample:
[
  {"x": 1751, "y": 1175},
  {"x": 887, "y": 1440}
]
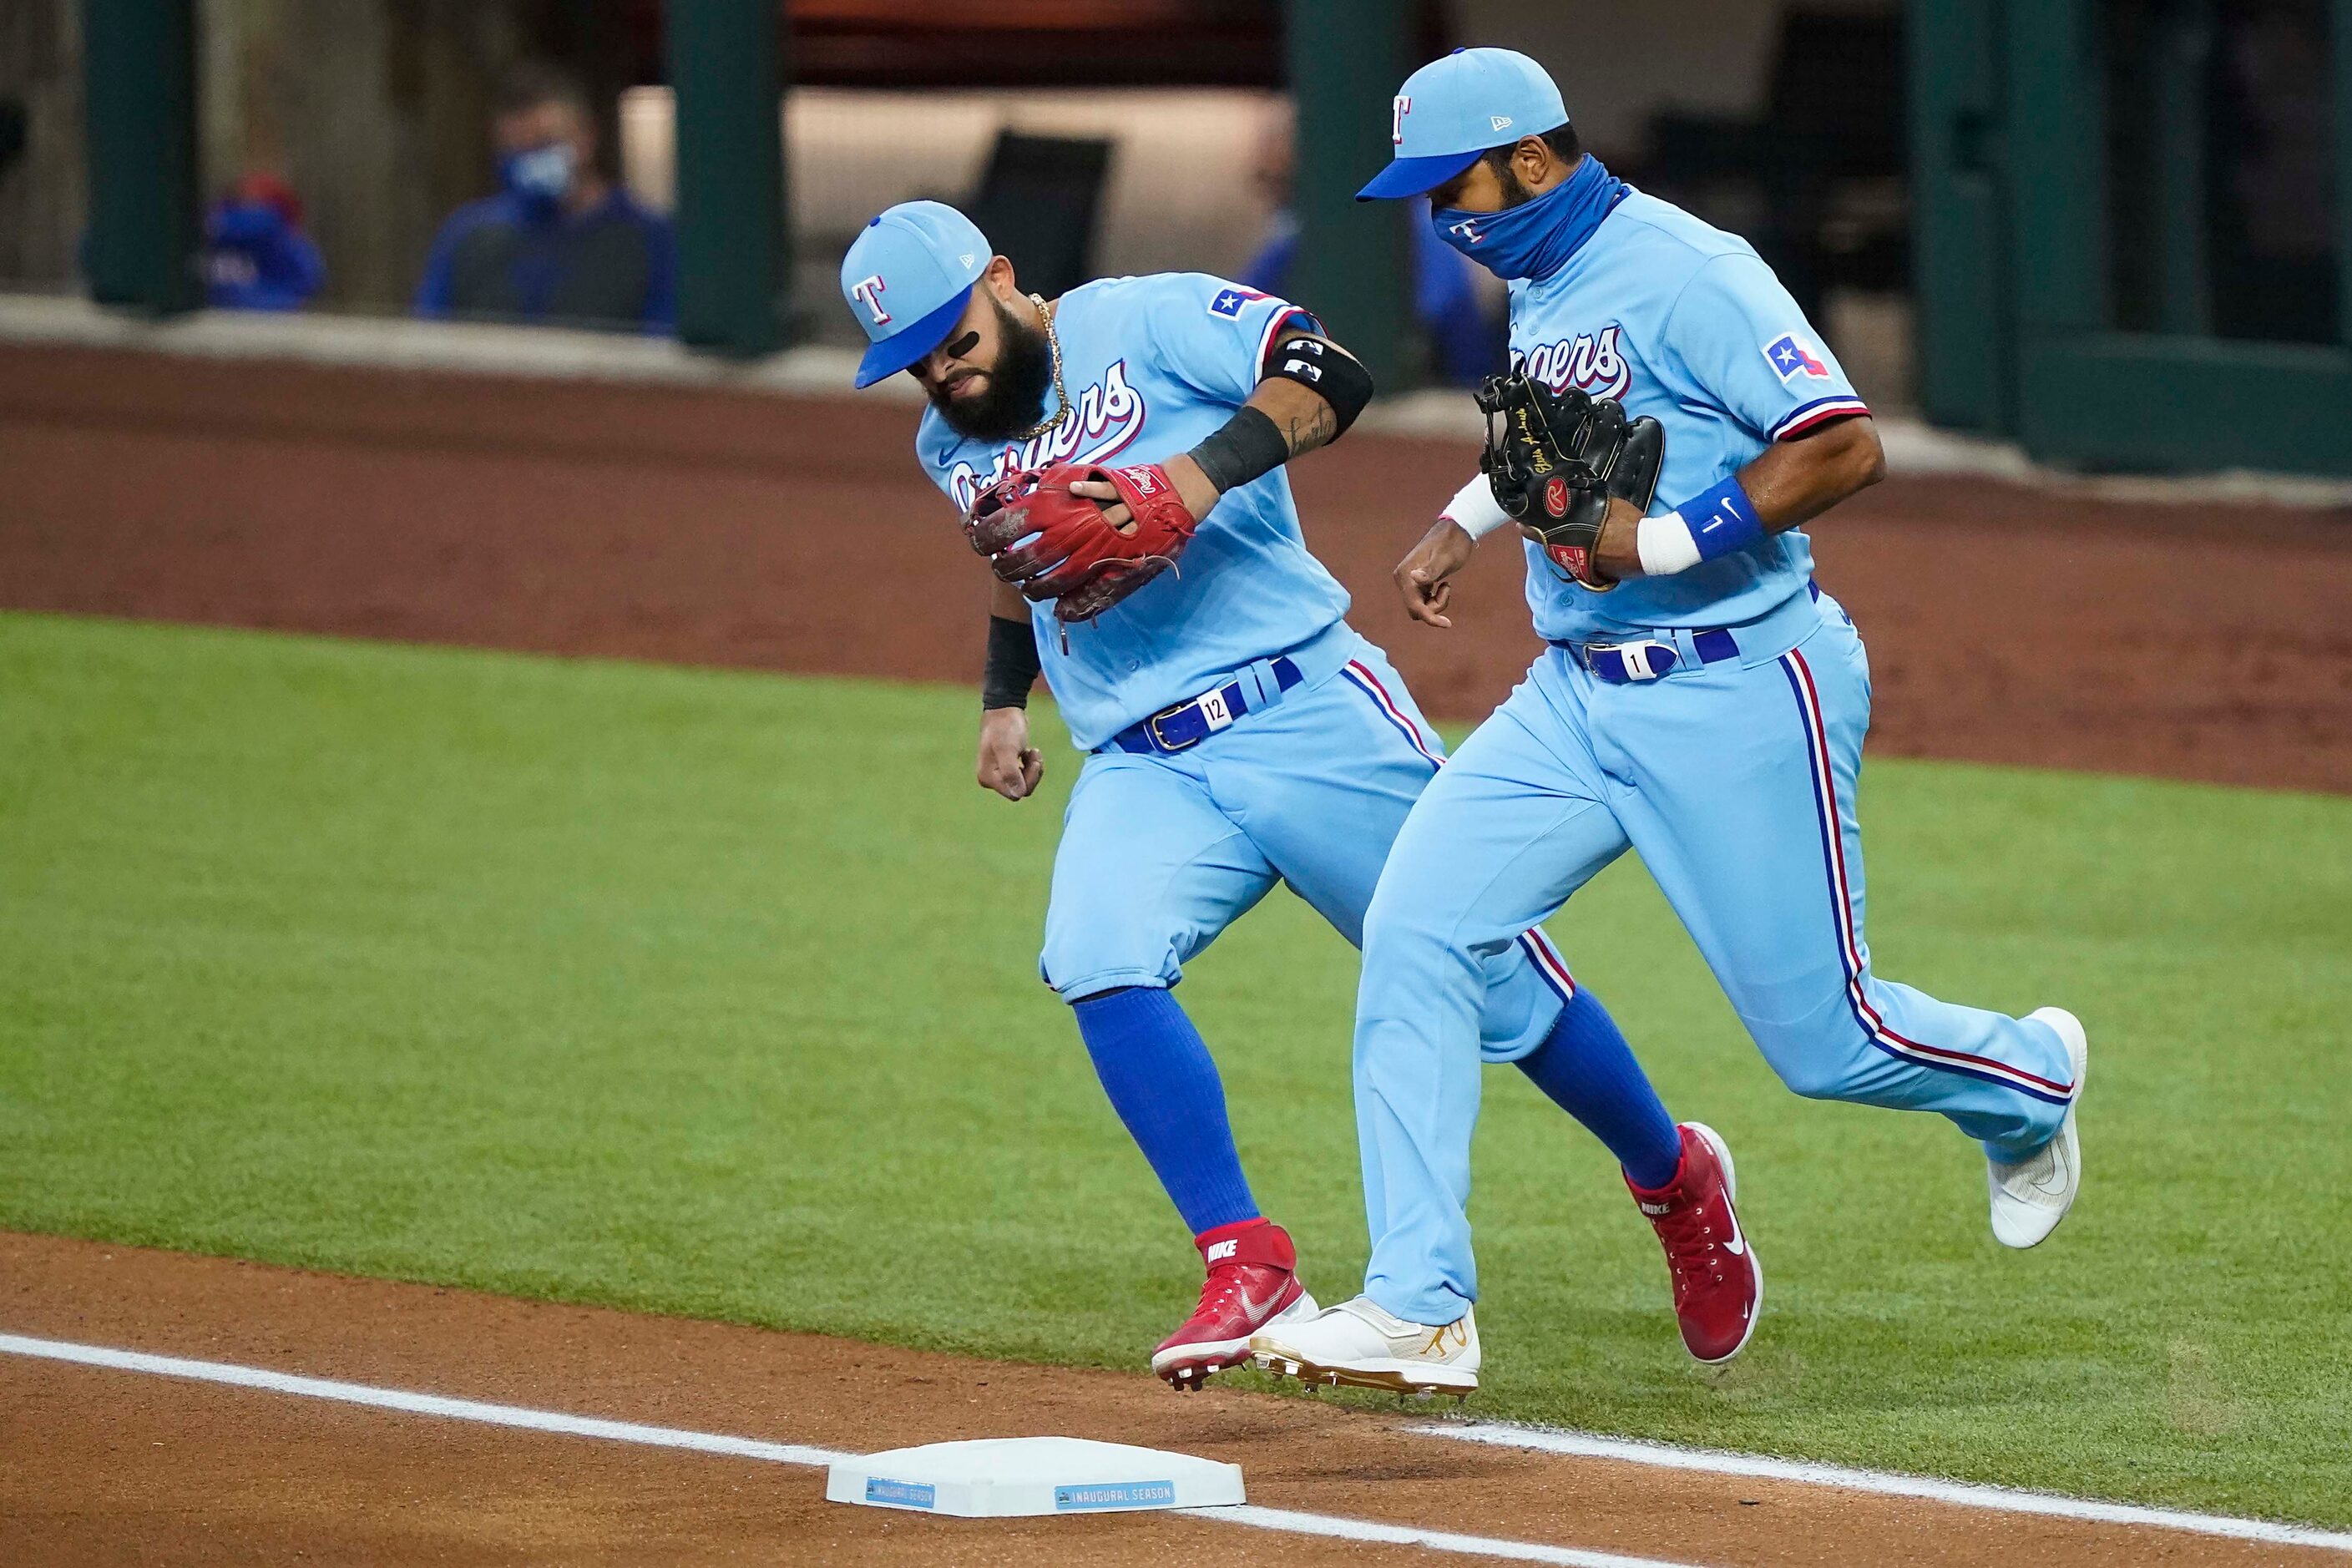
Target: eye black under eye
[{"x": 963, "y": 345}]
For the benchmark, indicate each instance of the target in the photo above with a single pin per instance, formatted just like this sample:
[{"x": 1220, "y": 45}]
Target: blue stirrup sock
[
  {"x": 1589, "y": 1070},
  {"x": 1158, "y": 1072}
]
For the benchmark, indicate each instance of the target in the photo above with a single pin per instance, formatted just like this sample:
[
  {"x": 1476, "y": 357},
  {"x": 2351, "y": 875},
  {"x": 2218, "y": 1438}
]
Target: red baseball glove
[{"x": 1053, "y": 544}]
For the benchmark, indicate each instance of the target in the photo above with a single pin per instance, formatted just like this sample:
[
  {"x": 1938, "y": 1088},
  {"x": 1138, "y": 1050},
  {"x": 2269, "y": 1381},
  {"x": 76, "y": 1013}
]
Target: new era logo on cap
[{"x": 1500, "y": 122}]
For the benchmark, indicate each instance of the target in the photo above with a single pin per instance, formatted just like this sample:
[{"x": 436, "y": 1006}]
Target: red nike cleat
[
  {"x": 1253, "y": 1281},
  {"x": 1719, "y": 1284}
]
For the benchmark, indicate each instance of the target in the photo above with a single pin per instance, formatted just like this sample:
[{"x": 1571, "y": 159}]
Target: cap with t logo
[
  {"x": 906, "y": 280},
  {"x": 1454, "y": 109}
]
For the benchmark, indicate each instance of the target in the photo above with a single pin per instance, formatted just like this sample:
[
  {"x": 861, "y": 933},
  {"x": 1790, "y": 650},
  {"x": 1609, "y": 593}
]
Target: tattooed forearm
[{"x": 1311, "y": 427}]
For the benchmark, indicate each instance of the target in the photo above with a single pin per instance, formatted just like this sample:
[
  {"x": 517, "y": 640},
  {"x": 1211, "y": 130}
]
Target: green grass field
[{"x": 714, "y": 993}]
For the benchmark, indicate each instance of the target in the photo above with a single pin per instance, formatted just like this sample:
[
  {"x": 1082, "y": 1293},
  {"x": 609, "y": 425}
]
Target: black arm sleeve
[
  {"x": 1242, "y": 449},
  {"x": 1012, "y": 664}
]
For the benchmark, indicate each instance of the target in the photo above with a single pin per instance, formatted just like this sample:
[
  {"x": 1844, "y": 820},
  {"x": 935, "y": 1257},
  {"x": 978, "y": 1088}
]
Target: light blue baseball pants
[
  {"x": 1735, "y": 781},
  {"x": 1161, "y": 853}
]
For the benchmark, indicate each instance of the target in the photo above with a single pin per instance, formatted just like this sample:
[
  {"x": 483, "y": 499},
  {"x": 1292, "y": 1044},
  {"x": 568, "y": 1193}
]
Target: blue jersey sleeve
[
  {"x": 1742, "y": 340},
  {"x": 1213, "y": 336}
]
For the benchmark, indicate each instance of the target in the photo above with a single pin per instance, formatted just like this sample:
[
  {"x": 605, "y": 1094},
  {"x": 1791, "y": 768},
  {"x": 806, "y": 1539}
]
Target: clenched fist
[{"x": 1008, "y": 764}]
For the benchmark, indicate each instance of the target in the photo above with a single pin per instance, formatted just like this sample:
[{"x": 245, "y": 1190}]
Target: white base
[{"x": 995, "y": 1477}]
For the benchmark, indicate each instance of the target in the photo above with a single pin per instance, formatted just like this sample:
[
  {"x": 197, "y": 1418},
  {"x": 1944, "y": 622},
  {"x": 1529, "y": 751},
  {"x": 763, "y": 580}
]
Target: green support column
[
  {"x": 1346, "y": 58},
  {"x": 2056, "y": 142},
  {"x": 139, "y": 61},
  {"x": 1960, "y": 248},
  {"x": 734, "y": 262},
  {"x": 2182, "y": 39},
  {"x": 2339, "y": 77}
]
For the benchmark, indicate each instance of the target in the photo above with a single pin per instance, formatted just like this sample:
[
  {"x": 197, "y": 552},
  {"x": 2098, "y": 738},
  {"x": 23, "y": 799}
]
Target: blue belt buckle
[
  {"x": 1647, "y": 660},
  {"x": 1162, "y": 741}
]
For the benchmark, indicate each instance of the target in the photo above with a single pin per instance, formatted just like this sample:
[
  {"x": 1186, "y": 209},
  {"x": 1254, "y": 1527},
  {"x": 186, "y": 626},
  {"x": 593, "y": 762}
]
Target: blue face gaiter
[{"x": 1535, "y": 238}]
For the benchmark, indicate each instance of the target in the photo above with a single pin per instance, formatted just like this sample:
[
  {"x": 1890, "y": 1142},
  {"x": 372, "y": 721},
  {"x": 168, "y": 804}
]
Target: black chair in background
[
  {"x": 12, "y": 132},
  {"x": 1821, "y": 168},
  {"x": 1037, "y": 202}
]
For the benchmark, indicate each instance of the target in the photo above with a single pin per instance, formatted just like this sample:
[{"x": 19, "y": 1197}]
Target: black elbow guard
[{"x": 1325, "y": 369}]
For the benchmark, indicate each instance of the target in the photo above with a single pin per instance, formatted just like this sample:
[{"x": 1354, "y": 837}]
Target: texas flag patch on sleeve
[
  {"x": 1230, "y": 301},
  {"x": 1792, "y": 357}
]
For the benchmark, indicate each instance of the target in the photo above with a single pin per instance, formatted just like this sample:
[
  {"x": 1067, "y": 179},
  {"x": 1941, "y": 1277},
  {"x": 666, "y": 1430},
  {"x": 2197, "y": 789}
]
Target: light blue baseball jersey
[
  {"x": 1154, "y": 366},
  {"x": 1683, "y": 321}
]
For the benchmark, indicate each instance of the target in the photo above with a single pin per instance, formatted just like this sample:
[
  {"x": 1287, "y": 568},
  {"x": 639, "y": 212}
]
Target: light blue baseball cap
[
  {"x": 1454, "y": 109},
  {"x": 906, "y": 280}
]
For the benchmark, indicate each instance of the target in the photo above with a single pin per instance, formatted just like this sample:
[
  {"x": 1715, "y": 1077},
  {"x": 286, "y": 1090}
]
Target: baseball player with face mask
[
  {"x": 1700, "y": 701},
  {"x": 1117, "y": 454}
]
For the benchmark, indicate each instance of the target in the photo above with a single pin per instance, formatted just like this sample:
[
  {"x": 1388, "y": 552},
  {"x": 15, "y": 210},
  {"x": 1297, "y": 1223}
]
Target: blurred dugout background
[{"x": 2112, "y": 230}]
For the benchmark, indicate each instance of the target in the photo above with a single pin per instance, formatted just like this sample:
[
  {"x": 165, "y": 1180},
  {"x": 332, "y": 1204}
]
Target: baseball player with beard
[
  {"x": 1117, "y": 454},
  {"x": 1701, "y": 701}
]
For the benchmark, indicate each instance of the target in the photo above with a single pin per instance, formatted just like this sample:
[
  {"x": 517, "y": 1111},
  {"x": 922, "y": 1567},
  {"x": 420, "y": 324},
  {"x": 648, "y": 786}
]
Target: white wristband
[
  {"x": 1665, "y": 545},
  {"x": 1474, "y": 510}
]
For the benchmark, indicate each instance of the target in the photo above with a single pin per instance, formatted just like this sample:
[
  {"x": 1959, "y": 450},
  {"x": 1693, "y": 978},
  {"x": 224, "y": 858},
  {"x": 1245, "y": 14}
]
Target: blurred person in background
[
  {"x": 257, "y": 256},
  {"x": 1466, "y": 341},
  {"x": 560, "y": 242}
]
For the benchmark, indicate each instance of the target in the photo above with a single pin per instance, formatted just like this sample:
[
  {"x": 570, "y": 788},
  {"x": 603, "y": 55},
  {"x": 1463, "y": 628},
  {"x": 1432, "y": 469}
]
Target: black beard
[
  {"x": 1015, "y": 397},
  {"x": 1515, "y": 195}
]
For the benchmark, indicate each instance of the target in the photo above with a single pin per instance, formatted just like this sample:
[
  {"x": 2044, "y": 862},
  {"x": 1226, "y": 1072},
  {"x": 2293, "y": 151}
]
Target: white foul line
[
  {"x": 415, "y": 1404},
  {"x": 1667, "y": 1455},
  {"x": 1412, "y": 1535},
  {"x": 1274, "y": 1519}
]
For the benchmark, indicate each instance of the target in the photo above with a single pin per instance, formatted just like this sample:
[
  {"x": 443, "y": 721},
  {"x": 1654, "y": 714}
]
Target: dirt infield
[
  {"x": 2007, "y": 624},
  {"x": 101, "y": 1465}
]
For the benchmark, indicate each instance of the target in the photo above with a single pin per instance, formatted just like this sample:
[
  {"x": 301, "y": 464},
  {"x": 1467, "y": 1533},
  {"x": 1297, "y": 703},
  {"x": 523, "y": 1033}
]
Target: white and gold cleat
[{"x": 1361, "y": 1344}]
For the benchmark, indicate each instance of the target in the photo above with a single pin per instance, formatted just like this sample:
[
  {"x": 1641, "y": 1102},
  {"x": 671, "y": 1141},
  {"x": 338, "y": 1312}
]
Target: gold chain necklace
[{"x": 1061, "y": 393}]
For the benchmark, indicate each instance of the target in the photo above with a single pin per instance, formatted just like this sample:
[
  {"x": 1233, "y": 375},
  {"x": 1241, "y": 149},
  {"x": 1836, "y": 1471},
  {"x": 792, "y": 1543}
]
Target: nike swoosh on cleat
[
  {"x": 2050, "y": 1181},
  {"x": 1254, "y": 1308}
]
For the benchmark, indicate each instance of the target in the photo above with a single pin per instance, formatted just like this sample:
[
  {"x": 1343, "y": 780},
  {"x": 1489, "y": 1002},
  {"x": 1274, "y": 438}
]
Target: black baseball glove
[{"x": 1555, "y": 458}]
